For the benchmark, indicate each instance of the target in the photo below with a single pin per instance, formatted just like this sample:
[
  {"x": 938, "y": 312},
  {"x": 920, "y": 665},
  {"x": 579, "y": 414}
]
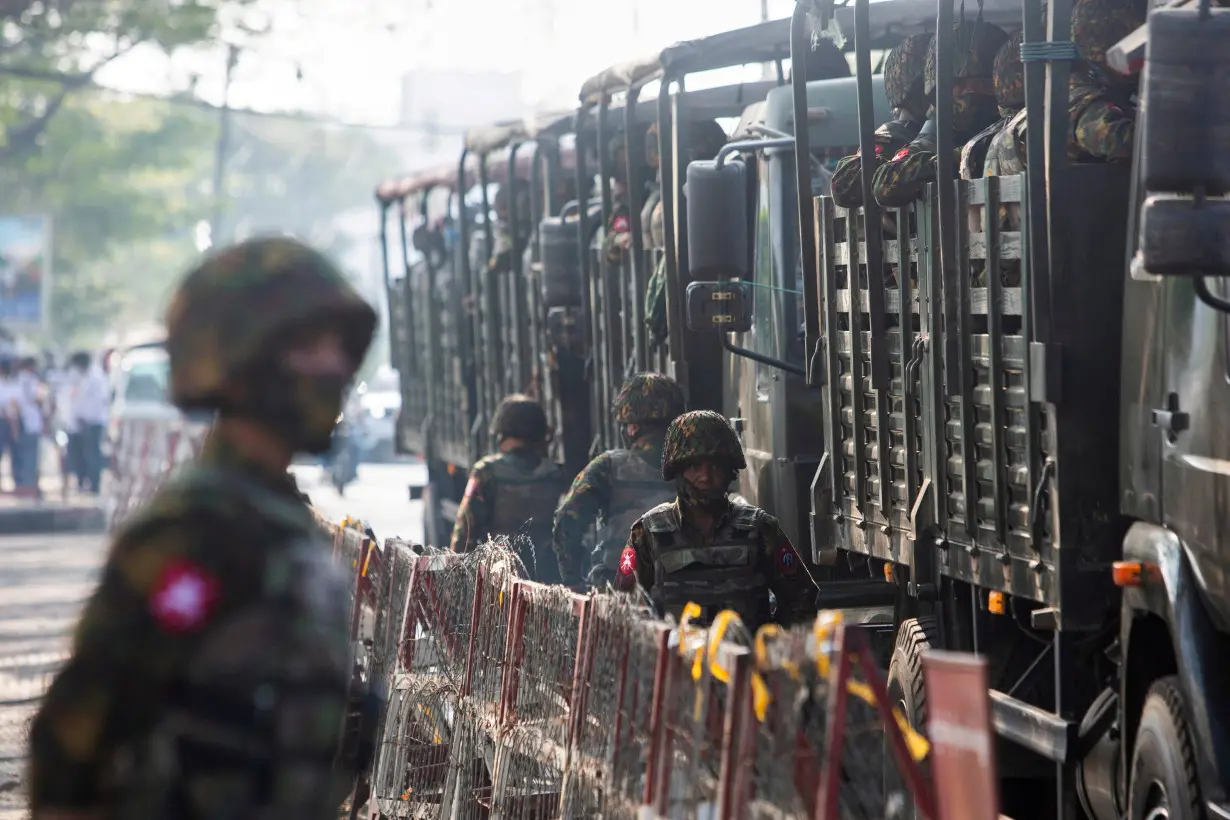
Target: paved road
[
  {"x": 380, "y": 496},
  {"x": 43, "y": 582}
]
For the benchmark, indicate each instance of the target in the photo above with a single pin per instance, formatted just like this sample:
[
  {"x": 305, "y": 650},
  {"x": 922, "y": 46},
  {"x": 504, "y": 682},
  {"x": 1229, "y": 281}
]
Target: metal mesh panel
[
  {"x": 537, "y": 719},
  {"x": 614, "y": 733}
]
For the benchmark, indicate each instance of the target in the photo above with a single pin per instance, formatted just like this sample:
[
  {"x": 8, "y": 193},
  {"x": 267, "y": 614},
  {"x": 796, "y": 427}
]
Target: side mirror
[
  {"x": 718, "y": 242},
  {"x": 724, "y": 306},
  {"x": 1182, "y": 237}
]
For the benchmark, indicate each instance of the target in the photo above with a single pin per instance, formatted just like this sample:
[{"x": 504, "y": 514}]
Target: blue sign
[{"x": 25, "y": 269}]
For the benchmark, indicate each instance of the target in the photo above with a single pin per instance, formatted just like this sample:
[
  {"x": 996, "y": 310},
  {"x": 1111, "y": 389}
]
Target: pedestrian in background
[
  {"x": 8, "y": 416},
  {"x": 31, "y": 424},
  {"x": 91, "y": 406}
]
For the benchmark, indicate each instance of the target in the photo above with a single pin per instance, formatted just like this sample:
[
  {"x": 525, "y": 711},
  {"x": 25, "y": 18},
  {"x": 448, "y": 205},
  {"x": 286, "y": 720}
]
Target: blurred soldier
[
  {"x": 903, "y": 178},
  {"x": 619, "y": 485},
  {"x": 702, "y": 547},
  {"x": 211, "y": 668},
  {"x": 617, "y": 236},
  {"x": 514, "y": 492},
  {"x": 903, "y": 85},
  {"x": 702, "y": 140},
  {"x": 1008, "y": 74},
  {"x": 1100, "y": 99}
]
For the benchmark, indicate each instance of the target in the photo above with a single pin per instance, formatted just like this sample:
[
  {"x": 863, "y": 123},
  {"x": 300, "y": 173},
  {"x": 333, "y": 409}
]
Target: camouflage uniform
[
  {"x": 732, "y": 567},
  {"x": 903, "y": 85},
  {"x": 514, "y": 493},
  {"x": 903, "y": 178},
  {"x": 1103, "y": 122},
  {"x": 211, "y": 671},
  {"x": 703, "y": 141},
  {"x": 985, "y": 151},
  {"x": 618, "y": 485},
  {"x": 620, "y": 221}
]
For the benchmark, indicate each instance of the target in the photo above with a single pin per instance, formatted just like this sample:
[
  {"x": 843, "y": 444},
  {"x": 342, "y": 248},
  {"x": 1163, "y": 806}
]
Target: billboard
[{"x": 25, "y": 269}]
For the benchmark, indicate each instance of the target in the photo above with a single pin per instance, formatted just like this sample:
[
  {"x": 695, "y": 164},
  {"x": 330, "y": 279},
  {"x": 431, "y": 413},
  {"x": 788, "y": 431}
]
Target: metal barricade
[
  {"x": 536, "y": 713},
  {"x": 616, "y": 711}
]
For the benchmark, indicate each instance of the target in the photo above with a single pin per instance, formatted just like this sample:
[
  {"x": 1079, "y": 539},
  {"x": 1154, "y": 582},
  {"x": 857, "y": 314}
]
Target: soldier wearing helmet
[
  {"x": 211, "y": 670},
  {"x": 703, "y": 548},
  {"x": 1100, "y": 105},
  {"x": 617, "y": 236},
  {"x": 1008, "y": 75},
  {"x": 903, "y": 178},
  {"x": 903, "y": 85},
  {"x": 619, "y": 485},
  {"x": 514, "y": 492}
]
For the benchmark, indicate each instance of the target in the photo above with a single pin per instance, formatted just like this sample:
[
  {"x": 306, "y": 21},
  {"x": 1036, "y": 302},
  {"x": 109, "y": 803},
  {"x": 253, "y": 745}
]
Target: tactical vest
[
  {"x": 724, "y": 574},
  {"x": 975, "y": 152},
  {"x": 525, "y": 503},
  {"x": 636, "y": 488},
  {"x": 1004, "y": 158},
  {"x": 253, "y": 725}
]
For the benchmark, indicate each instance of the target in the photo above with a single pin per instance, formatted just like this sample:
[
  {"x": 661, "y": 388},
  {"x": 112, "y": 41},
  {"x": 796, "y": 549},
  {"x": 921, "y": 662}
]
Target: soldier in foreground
[
  {"x": 514, "y": 492},
  {"x": 211, "y": 668},
  {"x": 619, "y": 485},
  {"x": 704, "y": 548},
  {"x": 903, "y": 85}
]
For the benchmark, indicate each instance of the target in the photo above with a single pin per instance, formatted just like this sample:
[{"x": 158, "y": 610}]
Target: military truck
[{"x": 1020, "y": 449}]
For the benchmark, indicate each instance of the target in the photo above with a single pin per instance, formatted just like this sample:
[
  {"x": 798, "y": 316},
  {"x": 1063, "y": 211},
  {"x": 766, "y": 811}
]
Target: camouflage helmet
[
  {"x": 232, "y": 309},
  {"x": 700, "y": 434},
  {"x": 519, "y": 416},
  {"x": 1099, "y": 24},
  {"x": 977, "y": 43},
  {"x": 648, "y": 397},
  {"x": 903, "y": 70},
  {"x": 1009, "y": 76}
]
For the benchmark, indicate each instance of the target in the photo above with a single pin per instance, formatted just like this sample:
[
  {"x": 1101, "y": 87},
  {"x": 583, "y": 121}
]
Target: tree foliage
[{"x": 128, "y": 180}]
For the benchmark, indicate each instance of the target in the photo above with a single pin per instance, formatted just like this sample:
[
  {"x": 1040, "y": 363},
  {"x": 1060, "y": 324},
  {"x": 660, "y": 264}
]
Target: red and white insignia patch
[
  {"x": 902, "y": 154},
  {"x": 621, "y": 224},
  {"x": 787, "y": 560},
  {"x": 627, "y": 561},
  {"x": 183, "y": 598},
  {"x": 879, "y": 150}
]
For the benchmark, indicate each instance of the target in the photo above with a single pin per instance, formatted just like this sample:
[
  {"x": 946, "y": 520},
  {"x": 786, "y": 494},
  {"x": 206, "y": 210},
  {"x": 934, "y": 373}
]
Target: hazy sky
[{"x": 345, "y": 58}]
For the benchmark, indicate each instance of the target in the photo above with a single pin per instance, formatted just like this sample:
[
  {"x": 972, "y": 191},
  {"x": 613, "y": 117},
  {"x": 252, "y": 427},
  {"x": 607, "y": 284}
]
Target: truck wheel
[
  {"x": 906, "y": 691},
  {"x": 1164, "y": 785},
  {"x": 905, "y": 675}
]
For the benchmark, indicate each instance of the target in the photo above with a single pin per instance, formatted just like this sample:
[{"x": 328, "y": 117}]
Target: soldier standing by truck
[
  {"x": 512, "y": 494},
  {"x": 703, "y": 548},
  {"x": 621, "y": 484}
]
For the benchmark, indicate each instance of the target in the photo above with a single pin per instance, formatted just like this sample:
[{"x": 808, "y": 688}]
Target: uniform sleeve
[
  {"x": 636, "y": 562},
  {"x": 788, "y": 576},
  {"x": 848, "y": 176},
  {"x": 619, "y": 225},
  {"x": 901, "y": 180},
  {"x": 474, "y": 512},
  {"x": 158, "y": 592},
  {"x": 1105, "y": 130},
  {"x": 589, "y": 495}
]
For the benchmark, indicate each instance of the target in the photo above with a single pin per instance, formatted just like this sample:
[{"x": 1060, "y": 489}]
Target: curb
[{"x": 48, "y": 520}]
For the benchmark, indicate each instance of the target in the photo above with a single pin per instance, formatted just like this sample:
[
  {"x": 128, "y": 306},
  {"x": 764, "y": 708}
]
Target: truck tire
[
  {"x": 1164, "y": 780},
  {"x": 905, "y": 675},
  {"x": 906, "y": 691}
]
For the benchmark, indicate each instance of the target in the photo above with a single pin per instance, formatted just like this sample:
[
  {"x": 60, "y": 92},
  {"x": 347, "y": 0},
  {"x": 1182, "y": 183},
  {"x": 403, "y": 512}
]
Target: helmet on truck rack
[
  {"x": 977, "y": 43},
  {"x": 903, "y": 72},
  {"x": 700, "y": 434}
]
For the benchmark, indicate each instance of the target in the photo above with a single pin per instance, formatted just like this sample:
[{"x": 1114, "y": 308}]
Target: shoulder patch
[
  {"x": 621, "y": 224},
  {"x": 787, "y": 560},
  {"x": 627, "y": 561},
  {"x": 183, "y": 597},
  {"x": 900, "y": 155}
]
